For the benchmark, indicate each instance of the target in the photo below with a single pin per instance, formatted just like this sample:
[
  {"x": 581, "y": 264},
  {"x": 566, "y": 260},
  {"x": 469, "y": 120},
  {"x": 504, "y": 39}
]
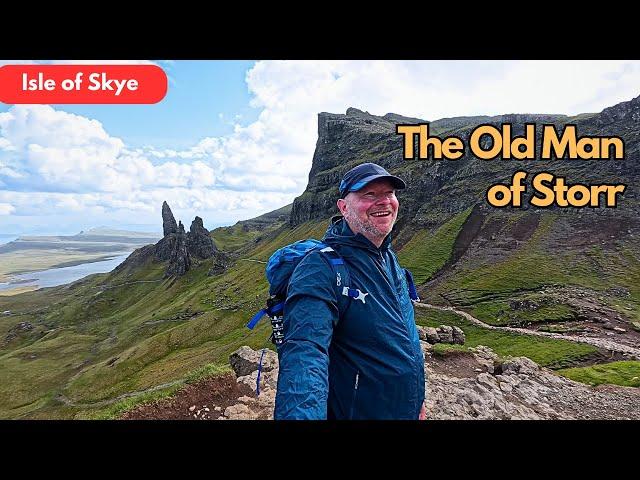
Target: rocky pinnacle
[{"x": 169, "y": 224}]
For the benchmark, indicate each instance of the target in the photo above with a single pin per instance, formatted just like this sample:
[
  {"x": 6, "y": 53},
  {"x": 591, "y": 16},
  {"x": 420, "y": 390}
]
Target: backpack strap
[
  {"x": 342, "y": 283},
  {"x": 275, "y": 305},
  {"x": 273, "y": 308}
]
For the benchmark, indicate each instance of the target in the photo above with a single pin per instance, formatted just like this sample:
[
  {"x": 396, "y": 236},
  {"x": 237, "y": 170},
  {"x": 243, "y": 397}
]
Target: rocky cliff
[
  {"x": 437, "y": 189},
  {"x": 179, "y": 248}
]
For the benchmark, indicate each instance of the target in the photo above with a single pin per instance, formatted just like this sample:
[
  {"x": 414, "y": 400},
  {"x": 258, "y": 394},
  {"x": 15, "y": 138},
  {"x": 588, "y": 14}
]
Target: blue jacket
[{"x": 367, "y": 364}]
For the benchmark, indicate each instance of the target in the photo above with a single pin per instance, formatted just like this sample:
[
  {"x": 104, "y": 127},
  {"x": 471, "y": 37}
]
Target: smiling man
[{"x": 358, "y": 358}]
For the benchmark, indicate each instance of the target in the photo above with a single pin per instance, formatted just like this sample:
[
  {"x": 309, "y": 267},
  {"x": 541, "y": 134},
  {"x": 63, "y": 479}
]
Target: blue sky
[
  {"x": 181, "y": 118},
  {"x": 235, "y": 139}
]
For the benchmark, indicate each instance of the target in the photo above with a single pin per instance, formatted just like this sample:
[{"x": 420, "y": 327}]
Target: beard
[{"x": 366, "y": 227}]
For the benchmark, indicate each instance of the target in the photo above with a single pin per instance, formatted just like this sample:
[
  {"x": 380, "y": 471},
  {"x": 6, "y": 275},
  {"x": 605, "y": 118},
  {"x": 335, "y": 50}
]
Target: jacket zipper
[
  {"x": 392, "y": 283},
  {"x": 353, "y": 398},
  {"x": 416, "y": 352}
]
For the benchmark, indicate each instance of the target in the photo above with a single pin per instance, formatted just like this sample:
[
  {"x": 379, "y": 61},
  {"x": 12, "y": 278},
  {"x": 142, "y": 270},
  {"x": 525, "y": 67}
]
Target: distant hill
[
  {"x": 110, "y": 232},
  {"x": 93, "y": 240}
]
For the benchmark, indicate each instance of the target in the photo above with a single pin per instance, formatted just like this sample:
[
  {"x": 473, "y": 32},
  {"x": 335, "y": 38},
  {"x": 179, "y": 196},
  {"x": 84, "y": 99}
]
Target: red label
[{"x": 99, "y": 84}]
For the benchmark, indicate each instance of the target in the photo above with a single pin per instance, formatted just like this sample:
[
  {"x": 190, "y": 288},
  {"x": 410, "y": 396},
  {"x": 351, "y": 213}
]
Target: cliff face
[
  {"x": 438, "y": 189},
  {"x": 343, "y": 142}
]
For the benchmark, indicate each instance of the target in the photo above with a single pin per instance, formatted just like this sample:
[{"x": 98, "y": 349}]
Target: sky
[{"x": 235, "y": 139}]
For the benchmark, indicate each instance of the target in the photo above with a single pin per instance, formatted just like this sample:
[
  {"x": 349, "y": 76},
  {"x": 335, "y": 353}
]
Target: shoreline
[
  {"x": 6, "y": 277},
  {"x": 14, "y": 285},
  {"x": 17, "y": 291}
]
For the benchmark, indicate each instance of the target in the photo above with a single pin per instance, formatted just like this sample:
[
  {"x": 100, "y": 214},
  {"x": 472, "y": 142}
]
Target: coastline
[{"x": 14, "y": 284}]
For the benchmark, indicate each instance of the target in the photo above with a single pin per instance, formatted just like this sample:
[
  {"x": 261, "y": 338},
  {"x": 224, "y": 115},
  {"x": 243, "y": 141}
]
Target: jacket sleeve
[{"x": 310, "y": 314}]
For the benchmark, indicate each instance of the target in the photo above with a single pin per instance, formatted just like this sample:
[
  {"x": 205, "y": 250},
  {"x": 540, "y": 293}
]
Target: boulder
[
  {"x": 245, "y": 361},
  {"x": 458, "y": 336},
  {"x": 519, "y": 365},
  {"x": 432, "y": 335},
  {"x": 445, "y": 334}
]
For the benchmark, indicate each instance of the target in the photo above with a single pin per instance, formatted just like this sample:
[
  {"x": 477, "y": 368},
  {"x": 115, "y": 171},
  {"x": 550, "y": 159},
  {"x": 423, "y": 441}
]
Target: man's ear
[{"x": 342, "y": 205}]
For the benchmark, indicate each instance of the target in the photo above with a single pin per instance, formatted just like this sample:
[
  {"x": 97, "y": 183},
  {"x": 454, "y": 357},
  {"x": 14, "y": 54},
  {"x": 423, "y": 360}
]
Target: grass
[
  {"x": 230, "y": 239},
  {"x": 427, "y": 252},
  {"x": 525, "y": 269},
  {"x": 107, "y": 342},
  {"x": 626, "y": 373},
  {"x": 442, "y": 349},
  {"x": 485, "y": 285},
  {"x": 500, "y": 313},
  {"x": 536, "y": 263},
  {"x": 119, "y": 408},
  {"x": 547, "y": 352}
]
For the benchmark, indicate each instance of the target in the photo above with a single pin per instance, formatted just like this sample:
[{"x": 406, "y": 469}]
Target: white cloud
[
  {"x": 6, "y": 144},
  {"x": 67, "y": 152},
  {"x": 6, "y": 209},
  {"x": 7, "y": 172},
  {"x": 69, "y": 162}
]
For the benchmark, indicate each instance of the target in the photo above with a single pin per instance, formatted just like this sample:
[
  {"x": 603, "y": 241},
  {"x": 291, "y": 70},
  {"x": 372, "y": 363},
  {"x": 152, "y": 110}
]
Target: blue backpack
[{"x": 279, "y": 269}]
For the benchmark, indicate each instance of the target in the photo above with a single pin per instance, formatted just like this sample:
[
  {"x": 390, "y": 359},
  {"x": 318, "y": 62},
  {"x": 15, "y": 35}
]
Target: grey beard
[{"x": 364, "y": 227}]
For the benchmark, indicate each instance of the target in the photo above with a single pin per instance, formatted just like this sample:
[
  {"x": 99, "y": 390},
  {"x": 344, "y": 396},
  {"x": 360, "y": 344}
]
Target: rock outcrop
[
  {"x": 465, "y": 385},
  {"x": 169, "y": 225},
  {"x": 179, "y": 248},
  {"x": 442, "y": 334},
  {"x": 180, "y": 259},
  {"x": 199, "y": 243}
]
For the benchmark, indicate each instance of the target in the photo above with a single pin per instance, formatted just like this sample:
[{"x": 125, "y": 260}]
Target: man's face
[{"x": 372, "y": 210}]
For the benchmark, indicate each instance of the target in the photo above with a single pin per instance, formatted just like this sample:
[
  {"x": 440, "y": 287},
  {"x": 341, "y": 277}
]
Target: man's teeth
[{"x": 380, "y": 214}]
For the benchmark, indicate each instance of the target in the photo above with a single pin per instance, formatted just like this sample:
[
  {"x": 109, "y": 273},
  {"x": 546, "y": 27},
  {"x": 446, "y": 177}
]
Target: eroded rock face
[
  {"x": 180, "y": 260},
  {"x": 169, "y": 225},
  {"x": 199, "y": 243}
]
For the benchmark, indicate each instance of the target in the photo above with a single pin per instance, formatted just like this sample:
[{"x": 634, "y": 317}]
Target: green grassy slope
[
  {"x": 548, "y": 352},
  {"x": 625, "y": 373},
  {"x": 427, "y": 252},
  {"x": 485, "y": 284},
  {"x": 107, "y": 336},
  {"x": 91, "y": 343}
]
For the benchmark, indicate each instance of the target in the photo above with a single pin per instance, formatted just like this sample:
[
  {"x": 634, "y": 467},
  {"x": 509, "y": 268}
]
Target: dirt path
[
  {"x": 106, "y": 287},
  {"x": 104, "y": 403},
  {"x": 596, "y": 342}
]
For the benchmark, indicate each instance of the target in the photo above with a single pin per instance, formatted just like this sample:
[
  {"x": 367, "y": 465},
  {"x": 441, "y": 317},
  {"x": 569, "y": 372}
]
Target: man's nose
[{"x": 383, "y": 200}]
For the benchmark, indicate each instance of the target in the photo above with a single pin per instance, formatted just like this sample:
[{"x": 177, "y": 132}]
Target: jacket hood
[{"x": 339, "y": 233}]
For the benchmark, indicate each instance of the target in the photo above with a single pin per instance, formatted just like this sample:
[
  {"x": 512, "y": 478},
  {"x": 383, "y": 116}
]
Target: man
[{"x": 364, "y": 362}]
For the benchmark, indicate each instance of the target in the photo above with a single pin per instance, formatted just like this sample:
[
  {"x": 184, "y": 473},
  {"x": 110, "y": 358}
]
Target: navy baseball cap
[{"x": 359, "y": 176}]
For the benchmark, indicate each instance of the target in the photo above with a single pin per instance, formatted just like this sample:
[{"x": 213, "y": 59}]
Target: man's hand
[{"x": 423, "y": 413}]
